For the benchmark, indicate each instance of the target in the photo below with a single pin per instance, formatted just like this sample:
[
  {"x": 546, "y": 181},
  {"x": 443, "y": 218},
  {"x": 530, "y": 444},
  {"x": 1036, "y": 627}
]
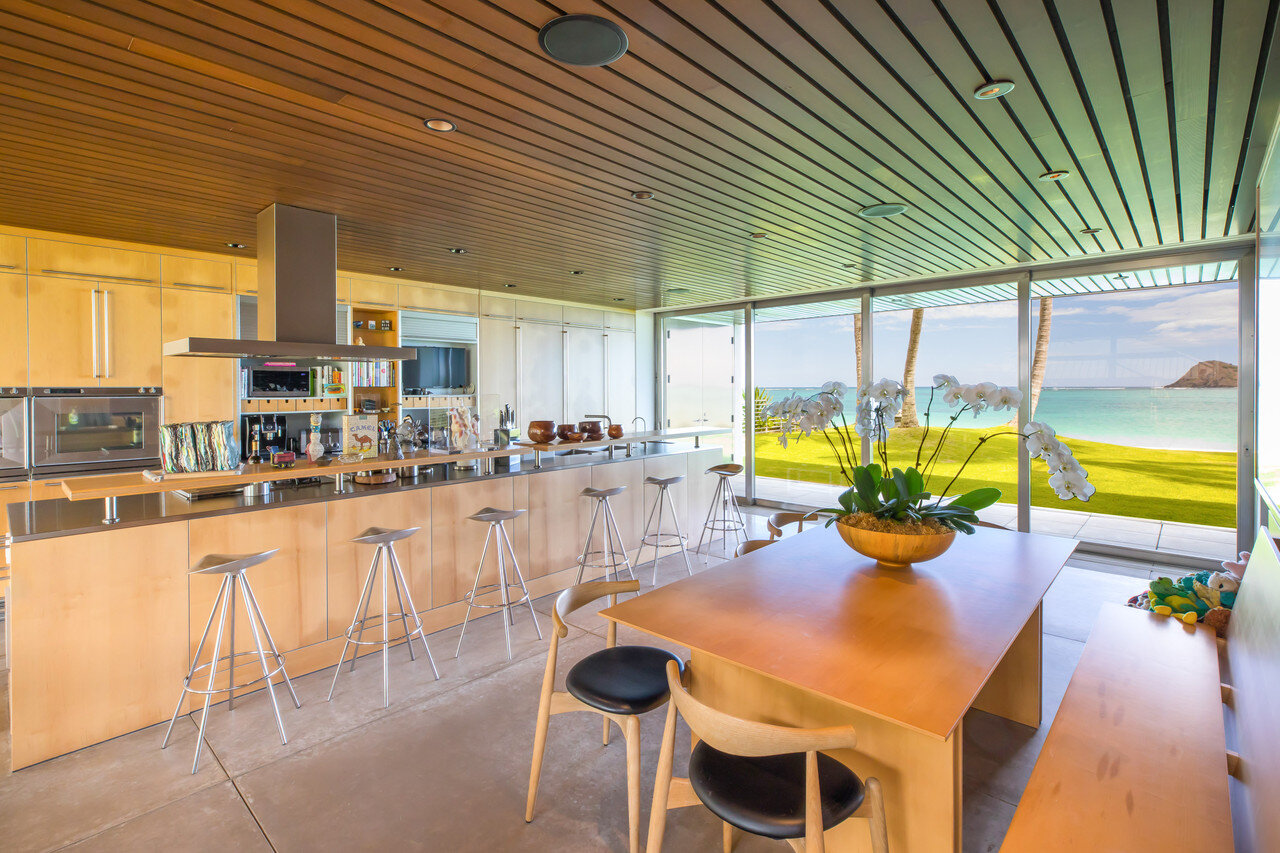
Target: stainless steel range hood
[{"x": 297, "y": 292}]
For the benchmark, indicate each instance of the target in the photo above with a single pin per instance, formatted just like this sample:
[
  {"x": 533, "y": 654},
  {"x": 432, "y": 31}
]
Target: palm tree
[
  {"x": 1042, "y": 350},
  {"x": 909, "y": 418},
  {"x": 857, "y": 348}
]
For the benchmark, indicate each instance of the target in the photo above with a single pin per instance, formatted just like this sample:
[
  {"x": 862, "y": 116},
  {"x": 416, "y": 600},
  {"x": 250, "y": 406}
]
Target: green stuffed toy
[{"x": 1200, "y": 597}]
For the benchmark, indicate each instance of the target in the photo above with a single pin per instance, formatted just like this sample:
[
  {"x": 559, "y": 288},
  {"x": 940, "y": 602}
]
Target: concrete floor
[{"x": 446, "y": 766}]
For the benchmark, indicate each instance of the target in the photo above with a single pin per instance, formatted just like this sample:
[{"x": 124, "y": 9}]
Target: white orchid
[
  {"x": 1068, "y": 483},
  {"x": 1006, "y": 398},
  {"x": 835, "y": 387},
  {"x": 1059, "y": 457},
  {"x": 953, "y": 395},
  {"x": 978, "y": 397},
  {"x": 945, "y": 381},
  {"x": 885, "y": 389}
]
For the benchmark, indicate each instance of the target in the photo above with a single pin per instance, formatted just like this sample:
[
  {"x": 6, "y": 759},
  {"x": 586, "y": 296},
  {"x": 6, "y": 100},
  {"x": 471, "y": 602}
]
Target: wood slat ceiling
[{"x": 174, "y": 121}]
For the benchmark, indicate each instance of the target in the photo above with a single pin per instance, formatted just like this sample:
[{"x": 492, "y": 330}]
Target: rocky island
[{"x": 1209, "y": 374}]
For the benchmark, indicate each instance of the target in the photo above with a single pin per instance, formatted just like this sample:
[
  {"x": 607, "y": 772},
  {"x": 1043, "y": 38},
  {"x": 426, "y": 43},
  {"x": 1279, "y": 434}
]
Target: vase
[{"x": 895, "y": 550}]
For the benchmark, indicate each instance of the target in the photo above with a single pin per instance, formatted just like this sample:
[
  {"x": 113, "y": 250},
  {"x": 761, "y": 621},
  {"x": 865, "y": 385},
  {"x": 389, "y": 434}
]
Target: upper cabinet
[
  {"x": 196, "y": 273},
  {"x": 417, "y": 298},
  {"x": 576, "y": 316},
  {"x": 13, "y": 253},
  {"x": 619, "y": 320},
  {"x": 13, "y": 329},
  {"x": 56, "y": 257},
  {"x": 496, "y": 306},
  {"x": 373, "y": 294},
  {"x": 198, "y": 389},
  {"x": 246, "y": 277},
  {"x": 545, "y": 312},
  {"x": 87, "y": 333}
]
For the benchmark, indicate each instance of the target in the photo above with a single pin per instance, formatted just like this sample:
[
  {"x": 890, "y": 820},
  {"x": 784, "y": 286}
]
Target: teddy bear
[{"x": 1200, "y": 597}]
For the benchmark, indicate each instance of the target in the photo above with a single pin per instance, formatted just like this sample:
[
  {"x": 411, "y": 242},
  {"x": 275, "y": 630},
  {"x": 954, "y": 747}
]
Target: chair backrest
[
  {"x": 1253, "y": 652},
  {"x": 583, "y": 594},
  {"x": 751, "y": 545},
  {"x": 736, "y": 736},
  {"x": 782, "y": 518}
]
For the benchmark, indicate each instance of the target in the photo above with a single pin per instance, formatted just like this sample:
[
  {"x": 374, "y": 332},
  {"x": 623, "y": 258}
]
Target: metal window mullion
[
  {"x": 1025, "y": 349},
  {"x": 1247, "y": 417},
  {"x": 868, "y": 367}
]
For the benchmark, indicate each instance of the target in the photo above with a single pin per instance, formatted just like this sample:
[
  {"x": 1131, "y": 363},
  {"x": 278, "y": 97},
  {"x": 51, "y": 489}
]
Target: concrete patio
[{"x": 1161, "y": 537}]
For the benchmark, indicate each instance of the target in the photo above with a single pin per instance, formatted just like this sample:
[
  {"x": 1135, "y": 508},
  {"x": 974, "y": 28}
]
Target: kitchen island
[{"x": 103, "y": 618}]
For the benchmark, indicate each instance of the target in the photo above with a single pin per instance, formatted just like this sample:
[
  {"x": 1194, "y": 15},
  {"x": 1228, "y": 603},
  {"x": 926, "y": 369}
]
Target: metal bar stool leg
[
  {"x": 404, "y": 617},
  {"x": 645, "y": 535},
  {"x": 528, "y": 599},
  {"x": 675, "y": 517},
  {"x": 471, "y": 599},
  {"x": 186, "y": 682},
  {"x": 213, "y": 673},
  {"x": 586, "y": 548},
  {"x": 365, "y": 592},
  {"x": 262, "y": 659},
  {"x": 617, "y": 536},
  {"x": 657, "y": 541},
  {"x": 364, "y": 616},
  {"x": 706, "y": 525},
  {"x": 271, "y": 643},
  {"x": 502, "y": 589},
  {"x": 395, "y": 564}
]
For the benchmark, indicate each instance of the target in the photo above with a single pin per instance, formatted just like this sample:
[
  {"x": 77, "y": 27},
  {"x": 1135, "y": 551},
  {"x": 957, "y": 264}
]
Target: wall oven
[
  {"x": 87, "y": 429},
  {"x": 14, "y": 456}
]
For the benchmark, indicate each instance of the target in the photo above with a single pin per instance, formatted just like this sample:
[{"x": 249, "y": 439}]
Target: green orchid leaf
[
  {"x": 978, "y": 498},
  {"x": 915, "y": 482},
  {"x": 865, "y": 484},
  {"x": 846, "y": 499}
]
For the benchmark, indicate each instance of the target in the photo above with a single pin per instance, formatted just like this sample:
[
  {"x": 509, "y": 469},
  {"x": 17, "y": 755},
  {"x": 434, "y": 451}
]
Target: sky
[{"x": 1136, "y": 338}]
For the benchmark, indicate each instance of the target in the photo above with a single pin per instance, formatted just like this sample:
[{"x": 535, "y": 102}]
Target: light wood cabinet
[
  {"x": 57, "y": 257},
  {"x": 246, "y": 277},
  {"x": 619, "y": 320},
  {"x": 131, "y": 344},
  {"x": 373, "y": 294},
  {"x": 64, "y": 321},
  {"x": 591, "y": 317},
  {"x": 414, "y": 297},
  {"x": 498, "y": 360},
  {"x": 620, "y": 377},
  {"x": 196, "y": 273},
  {"x": 541, "y": 372},
  {"x": 13, "y": 253},
  {"x": 545, "y": 312},
  {"x": 93, "y": 334},
  {"x": 584, "y": 372},
  {"x": 496, "y": 306},
  {"x": 13, "y": 329},
  {"x": 198, "y": 389}
]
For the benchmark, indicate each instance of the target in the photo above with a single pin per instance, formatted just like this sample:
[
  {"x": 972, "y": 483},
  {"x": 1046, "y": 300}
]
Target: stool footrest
[
  {"x": 376, "y": 620},
  {"x": 253, "y": 659},
  {"x": 494, "y": 589}
]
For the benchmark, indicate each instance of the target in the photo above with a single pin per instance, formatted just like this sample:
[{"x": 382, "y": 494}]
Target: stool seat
[
  {"x": 490, "y": 514},
  {"x": 728, "y": 469},
  {"x": 602, "y": 493},
  {"x": 384, "y": 535},
  {"x": 622, "y": 680},
  {"x": 226, "y": 564},
  {"x": 664, "y": 481},
  {"x": 764, "y": 795}
]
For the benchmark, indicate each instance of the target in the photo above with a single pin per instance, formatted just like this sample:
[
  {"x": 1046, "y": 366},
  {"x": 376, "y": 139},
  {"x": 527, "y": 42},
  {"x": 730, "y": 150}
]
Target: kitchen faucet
[
  {"x": 608, "y": 420},
  {"x": 639, "y": 418}
]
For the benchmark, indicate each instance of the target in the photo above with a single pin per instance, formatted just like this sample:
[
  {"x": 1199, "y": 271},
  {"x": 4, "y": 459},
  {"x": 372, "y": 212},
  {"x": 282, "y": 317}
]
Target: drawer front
[
  {"x": 195, "y": 273},
  {"x": 13, "y": 253},
  {"x": 246, "y": 278},
  {"x": 374, "y": 294}
]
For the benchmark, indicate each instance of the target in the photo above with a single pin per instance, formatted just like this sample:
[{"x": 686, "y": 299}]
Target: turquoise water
[{"x": 1169, "y": 418}]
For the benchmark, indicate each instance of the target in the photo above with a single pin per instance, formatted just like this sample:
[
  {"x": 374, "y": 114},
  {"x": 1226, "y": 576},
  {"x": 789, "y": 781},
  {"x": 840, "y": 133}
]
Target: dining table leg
[
  {"x": 921, "y": 774},
  {"x": 1014, "y": 689}
]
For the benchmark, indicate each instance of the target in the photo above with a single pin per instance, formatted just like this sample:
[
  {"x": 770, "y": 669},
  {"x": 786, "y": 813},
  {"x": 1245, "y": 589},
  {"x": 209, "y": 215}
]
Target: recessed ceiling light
[
  {"x": 235, "y": 245},
  {"x": 440, "y": 125},
  {"x": 879, "y": 211},
  {"x": 759, "y": 235},
  {"x": 642, "y": 195},
  {"x": 619, "y": 299},
  {"x": 457, "y": 251},
  {"x": 586, "y": 40},
  {"x": 1090, "y": 230},
  {"x": 994, "y": 89},
  {"x": 508, "y": 285},
  {"x": 396, "y": 269},
  {"x": 676, "y": 290},
  {"x": 849, "y": 266},
  {"x": 1054, "y": 175},
  {"x": 576, "y": 272}
]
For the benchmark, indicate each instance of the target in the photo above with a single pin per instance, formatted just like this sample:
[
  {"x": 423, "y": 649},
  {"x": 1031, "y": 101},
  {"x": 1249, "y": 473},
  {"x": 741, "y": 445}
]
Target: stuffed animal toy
[{"x": 1201, "y": 597}]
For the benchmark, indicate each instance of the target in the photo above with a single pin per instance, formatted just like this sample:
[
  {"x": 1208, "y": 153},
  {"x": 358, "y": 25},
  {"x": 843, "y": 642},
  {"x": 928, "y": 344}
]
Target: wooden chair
[
  {"x": 619, "y": 683},
  {"x": 782, "y": 518},
  {"x": 751, "y": 545},
  {"x": 758, "y": 777}
]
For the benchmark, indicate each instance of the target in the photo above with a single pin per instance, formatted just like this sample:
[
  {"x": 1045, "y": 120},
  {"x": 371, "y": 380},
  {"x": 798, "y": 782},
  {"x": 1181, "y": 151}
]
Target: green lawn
[{"x": 1197, "y": 487}]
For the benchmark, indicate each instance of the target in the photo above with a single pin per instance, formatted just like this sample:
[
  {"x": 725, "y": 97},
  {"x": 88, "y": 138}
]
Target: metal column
[
  {"x": 1025, "y": 349},
  {"x": 749, "y": 410},
  {"x": 1247, "y": 423}
]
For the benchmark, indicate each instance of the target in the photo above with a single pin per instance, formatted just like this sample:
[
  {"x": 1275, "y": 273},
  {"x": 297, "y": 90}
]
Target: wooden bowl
[
  {"x": 895, "y": 550},
  {"x": 615, "y": 430},
  {"x": 571, "y": 437},
  {"x": 540, "y": 432},
  {"x": 564, "y": 429},
  {"x": 591, "y": 430}
]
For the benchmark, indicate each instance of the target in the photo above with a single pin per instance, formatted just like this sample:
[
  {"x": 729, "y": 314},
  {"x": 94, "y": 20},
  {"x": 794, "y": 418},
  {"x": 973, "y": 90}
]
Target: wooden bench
[{"x": 1137, "y": 757}]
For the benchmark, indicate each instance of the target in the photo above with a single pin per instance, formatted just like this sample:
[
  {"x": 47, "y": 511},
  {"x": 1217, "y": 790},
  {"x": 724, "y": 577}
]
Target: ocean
[{"x": 1166, "y": 418}]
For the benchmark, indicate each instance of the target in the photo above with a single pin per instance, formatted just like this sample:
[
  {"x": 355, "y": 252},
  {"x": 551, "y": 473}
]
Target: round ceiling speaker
[
  {"x": 587, "y": 40},
  {"x": 878, "y": 211}
]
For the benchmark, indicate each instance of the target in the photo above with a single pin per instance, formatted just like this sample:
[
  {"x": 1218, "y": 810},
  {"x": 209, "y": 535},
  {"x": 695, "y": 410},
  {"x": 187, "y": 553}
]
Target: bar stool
[
  {"x": 384, "y": 559},
  {"x": 659, "y": 539},
  {"x": 613, "y": 556},
  {"x": 495, "y": 518},
  {"x": 232, "y": 568},
  {"x": 723, "y": 516}
]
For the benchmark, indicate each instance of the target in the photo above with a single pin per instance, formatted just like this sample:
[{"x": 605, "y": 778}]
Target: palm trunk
[
  {"x": 1042, "y": 350},
  {"x": 909, "y": 417},
  {"x": 857, "y": 348}
]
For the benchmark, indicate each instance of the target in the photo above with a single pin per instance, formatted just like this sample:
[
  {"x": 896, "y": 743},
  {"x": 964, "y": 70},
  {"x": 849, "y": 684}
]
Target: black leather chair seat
[
  {"x": 622, "y": 680},
  {"x": 765, "y": 796}
]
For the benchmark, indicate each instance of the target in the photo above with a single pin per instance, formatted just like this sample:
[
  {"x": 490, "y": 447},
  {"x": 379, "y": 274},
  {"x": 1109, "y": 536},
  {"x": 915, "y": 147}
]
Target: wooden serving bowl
[
  {"x": 615, "y": 430},
  {"x": 564, "y": 429},
  {"x": 540, "y": 432},
  {"x": 571, "y": 437},
  {"x": 895, "y": 550},
  {"x": 591, "y": 430}
]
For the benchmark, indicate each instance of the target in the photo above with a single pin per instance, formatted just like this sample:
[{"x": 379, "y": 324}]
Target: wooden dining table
[{"x": 807, "y": 632}]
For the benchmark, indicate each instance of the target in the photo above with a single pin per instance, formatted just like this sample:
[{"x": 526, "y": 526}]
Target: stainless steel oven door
[
  {"x": 94, "y": 431},
  {"x": 13, "y": 437}
]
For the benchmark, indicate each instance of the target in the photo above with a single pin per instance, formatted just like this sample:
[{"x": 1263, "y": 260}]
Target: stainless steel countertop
[{"x": 62, "y": 517}]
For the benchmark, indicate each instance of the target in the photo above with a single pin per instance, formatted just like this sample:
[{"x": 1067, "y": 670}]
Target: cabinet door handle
[
  {"x": 8, "y": 267},
  {"x": 93, "y": 306},
  {"x": 200, "y": 286},
  {"x": 98, "y": 275},
  {"x": 379, "y": 304},
  {"x": 106, "y": 334}
]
